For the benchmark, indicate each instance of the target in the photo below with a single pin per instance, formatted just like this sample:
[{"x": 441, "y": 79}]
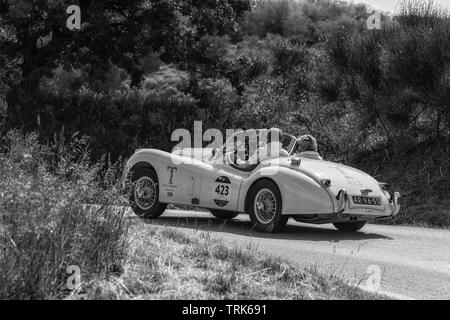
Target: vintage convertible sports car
[{"x": 270, "y": 191}]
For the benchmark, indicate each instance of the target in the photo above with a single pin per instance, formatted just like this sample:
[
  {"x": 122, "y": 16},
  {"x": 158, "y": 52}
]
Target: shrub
[
  {"x": 307, "y": 22},
  {"x": 116, "y": 124},
  {"x": 47, "y": 223},
  {"x": 396, "y": 78}
]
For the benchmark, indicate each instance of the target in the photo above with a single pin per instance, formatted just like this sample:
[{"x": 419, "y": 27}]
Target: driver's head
[
  {"x": 274, "y": 135},
  {"x": 306, "y": 142}
]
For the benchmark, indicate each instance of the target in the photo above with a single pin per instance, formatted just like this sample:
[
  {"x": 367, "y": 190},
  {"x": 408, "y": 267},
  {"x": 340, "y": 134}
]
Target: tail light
[
  {"x": 325, "y": 182},
  {"x": 384, "y": 186}
]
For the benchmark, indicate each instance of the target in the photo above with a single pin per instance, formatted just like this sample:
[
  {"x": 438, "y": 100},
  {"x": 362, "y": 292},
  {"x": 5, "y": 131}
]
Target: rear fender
[{"x": 300, "y": 194}]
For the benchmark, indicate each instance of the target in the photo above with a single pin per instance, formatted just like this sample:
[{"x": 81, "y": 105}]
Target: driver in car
[{"x": 306, "y": 147}]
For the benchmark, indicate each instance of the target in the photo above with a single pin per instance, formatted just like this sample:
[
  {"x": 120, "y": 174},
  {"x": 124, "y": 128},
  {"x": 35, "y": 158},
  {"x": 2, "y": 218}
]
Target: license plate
[{"x": 370, "y": 201}]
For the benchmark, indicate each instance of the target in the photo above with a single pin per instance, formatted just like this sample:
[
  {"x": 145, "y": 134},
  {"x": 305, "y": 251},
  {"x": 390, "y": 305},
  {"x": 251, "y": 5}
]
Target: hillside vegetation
[
  {"x": 74, "y": 106},
  {"x": 375, "y": 99}
]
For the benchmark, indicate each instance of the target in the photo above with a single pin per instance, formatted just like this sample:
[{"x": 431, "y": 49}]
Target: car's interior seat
[{"x": 310, "y": 155}]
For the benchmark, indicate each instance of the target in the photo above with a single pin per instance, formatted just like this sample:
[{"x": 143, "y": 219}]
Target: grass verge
[
  {"x": 47, "y": 231},
  {"x": 164, "y": 263}
]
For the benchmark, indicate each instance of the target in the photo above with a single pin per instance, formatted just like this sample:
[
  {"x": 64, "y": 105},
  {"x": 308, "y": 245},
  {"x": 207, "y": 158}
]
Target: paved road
[{"x": 414, "y": 262}]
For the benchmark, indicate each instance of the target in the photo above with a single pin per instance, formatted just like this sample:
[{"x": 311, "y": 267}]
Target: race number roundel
[{"x": 221, "y": 191}]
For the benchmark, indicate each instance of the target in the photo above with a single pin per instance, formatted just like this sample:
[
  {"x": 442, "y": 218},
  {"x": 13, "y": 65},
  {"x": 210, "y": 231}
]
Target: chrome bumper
[{"x": 342, "y": 198}]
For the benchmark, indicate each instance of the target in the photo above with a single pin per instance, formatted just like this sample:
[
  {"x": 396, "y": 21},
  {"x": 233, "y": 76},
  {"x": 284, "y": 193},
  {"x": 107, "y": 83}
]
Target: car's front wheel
[
  {"x": 265, "y": 207},
  {"x": 223, "y": 214},
  {"x": 144, "y": 194},
  {"x": 349, "y": 226}
]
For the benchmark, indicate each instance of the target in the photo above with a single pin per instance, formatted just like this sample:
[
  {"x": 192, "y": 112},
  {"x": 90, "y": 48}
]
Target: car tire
[
  {"x": 264, "y": 207},
  {"x": 144, "y": 193},
  {"x": 349, "y": 226},
  {"x": 223, "y": 214}
]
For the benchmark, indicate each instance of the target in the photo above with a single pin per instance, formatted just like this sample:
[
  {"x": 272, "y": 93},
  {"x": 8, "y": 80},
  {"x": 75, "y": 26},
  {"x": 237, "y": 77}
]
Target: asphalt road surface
[{"x": 414, "y": 262}]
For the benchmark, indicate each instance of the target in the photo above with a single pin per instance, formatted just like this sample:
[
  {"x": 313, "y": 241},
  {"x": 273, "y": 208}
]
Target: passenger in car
[
  {"x": 272, "y": 149},
  {"x": 306, "y": 147}
]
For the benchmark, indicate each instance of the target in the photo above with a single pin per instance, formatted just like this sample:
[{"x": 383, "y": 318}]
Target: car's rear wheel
[
  {"x": 265, "y": 207},
  {"x": 349, "y": 226},
  {"x": 223, "y": 214},
  {"x": 144, "y": 194}
]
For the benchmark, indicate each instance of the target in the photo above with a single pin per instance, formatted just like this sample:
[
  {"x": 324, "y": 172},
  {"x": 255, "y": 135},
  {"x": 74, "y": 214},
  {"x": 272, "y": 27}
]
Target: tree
[
  {"x": 308, "y": 21},
  {"x": 398, "y": 76},
  {"x": 34, "y": 40}
]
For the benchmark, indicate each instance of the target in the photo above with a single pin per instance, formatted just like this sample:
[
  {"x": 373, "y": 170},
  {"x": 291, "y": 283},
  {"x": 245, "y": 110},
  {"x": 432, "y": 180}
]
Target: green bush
[
  {"x": 116, "y": 124},
  {"x": 396, "y": 77},
  {"x": 165, "y": 83},
  {"x": 307, "y": 22},
  {"x": 120, "y": 122},
  {"x": 47, "y": 223}
]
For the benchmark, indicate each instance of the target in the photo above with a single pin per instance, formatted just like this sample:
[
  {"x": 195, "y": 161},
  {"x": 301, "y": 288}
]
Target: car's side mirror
[{"x": 214, "y": 152}]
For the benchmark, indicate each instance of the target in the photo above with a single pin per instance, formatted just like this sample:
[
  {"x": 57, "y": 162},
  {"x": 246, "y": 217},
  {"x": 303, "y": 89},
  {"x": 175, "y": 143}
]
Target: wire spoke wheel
[
  {"x": 265, "y": 205},
  {"x": 144, "y": 197},
  {"x": 145, "y": 193}
]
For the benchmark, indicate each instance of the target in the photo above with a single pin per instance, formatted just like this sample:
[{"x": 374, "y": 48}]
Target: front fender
[{"x": 300, "y": 194}]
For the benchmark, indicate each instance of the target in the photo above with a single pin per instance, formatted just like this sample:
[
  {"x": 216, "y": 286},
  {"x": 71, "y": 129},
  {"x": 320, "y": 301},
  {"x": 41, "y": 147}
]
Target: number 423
[{"x": 221, "y": 190}]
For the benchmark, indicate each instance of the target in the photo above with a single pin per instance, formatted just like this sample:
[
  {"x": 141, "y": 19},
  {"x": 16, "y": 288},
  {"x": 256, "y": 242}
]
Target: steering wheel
[
  {"x": 231, "y": 159},
  {"x": 235, "y": 150}
]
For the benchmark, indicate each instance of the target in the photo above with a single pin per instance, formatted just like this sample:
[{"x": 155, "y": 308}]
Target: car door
[{"x": 220, "y": 186}]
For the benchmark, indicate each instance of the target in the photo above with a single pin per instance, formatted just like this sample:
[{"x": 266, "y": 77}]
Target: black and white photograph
[{"x": 217, "y": 157}]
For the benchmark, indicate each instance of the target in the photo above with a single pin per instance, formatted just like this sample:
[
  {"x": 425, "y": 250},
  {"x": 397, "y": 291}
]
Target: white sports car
[{"x": 270, "y": 191}]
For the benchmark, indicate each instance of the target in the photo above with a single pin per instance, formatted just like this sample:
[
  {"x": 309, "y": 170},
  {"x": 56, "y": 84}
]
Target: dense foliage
[
  {"x": 304, "y": 66},
  {"x": 35, "y": 41},
  {"x": 397, "y": 78}
]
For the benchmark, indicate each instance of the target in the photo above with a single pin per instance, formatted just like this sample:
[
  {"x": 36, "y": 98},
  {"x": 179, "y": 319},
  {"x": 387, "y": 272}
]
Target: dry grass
[
  {"x": 45, "y": 224},
  {"x": 164, "y": 263}
]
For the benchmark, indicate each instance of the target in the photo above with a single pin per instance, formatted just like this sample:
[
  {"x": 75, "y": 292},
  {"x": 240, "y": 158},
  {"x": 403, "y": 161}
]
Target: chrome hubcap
[
  {"x": 265, "y": 206},
  {"x": 145, "y": 193}
]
